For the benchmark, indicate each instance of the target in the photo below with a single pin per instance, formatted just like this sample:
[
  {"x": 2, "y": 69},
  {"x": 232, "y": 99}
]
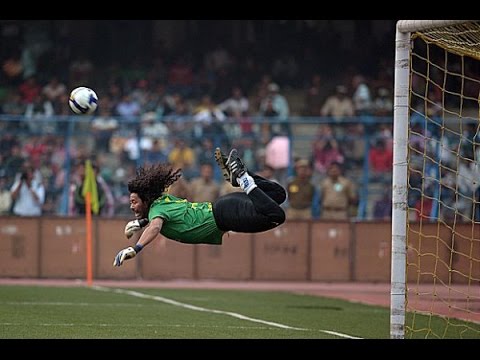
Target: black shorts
[{"x": 256, "y": 212}]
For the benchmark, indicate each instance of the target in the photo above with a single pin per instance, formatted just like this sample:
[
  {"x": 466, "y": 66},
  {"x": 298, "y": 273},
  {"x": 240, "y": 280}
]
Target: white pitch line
[{"x": 214, "y": 311}]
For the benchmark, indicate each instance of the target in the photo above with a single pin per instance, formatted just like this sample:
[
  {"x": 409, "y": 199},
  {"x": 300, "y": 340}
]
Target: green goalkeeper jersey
[{"x": 186, "y": 222}]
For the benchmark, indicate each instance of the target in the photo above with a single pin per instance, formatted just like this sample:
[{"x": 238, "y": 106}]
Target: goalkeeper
[{"x": 256, "y": 209}]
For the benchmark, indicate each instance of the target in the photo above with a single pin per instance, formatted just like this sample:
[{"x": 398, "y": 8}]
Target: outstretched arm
[
  {"x": 150, "y": 233},
  {"x": 135, "y": 237}
]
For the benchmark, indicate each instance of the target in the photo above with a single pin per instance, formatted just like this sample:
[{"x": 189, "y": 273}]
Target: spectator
[
  {"x": 236, "y": 104},
  {"x": 128, "y": 107},
  {"x": 338, "y": 105},
  {"x": 383, "y": 103},
  {"x": 76, "y": 199},
  {"x": 275, "y": 105},
  {"x": 29, "y": 90},
  {"x": 152, "y": 130},
  {"x": 182, "y": 156},
  {"x": 209, "y": 120},
  {"x": 325, "y": 150},
  {"x": 302, "y": 195},
  {"x": 314, "y": 97},
  {"x": 204, "y": 188},
  {"x": 54, "y": 90},
  {"x": 381, "y": 160},
  {"x": 103, "y": 127},
  {"x": 279, "y": 102},
  {"x": 28, "y": 194},
  {"x": 338, "y": 193},
  {"x": 277, "y": 156},
  {"x": 38, "y": 115},
  {"x": 362, "y": 98}
]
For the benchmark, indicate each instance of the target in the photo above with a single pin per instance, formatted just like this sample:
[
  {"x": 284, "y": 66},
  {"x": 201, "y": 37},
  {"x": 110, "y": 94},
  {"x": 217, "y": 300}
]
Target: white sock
[{"x": 247, "y": 183}]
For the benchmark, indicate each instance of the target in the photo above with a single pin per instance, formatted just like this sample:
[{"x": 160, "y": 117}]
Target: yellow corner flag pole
[{"x": 90, "y": 193}]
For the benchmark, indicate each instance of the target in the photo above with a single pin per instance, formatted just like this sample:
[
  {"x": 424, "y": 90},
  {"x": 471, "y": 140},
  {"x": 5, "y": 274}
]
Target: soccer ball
[{"x": 83, "y": 100}]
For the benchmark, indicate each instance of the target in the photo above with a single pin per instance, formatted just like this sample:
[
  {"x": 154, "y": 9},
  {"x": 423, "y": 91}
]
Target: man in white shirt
[{"x": 28, "y": 195}]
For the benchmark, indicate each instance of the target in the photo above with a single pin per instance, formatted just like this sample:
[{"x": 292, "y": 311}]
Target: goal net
[{"x": 435, "y": 278}]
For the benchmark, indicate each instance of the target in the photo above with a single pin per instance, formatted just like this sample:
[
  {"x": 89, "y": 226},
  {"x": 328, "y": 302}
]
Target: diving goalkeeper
[{"x": 256, "y": 209}]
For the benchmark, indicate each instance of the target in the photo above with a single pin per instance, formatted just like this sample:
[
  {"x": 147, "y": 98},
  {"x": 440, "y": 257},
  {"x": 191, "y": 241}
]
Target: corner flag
[{"x": 90, "y": 186}]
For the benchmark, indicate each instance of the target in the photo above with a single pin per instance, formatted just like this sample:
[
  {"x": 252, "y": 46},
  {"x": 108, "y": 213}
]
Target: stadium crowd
[{"x": 175, "y": 107}]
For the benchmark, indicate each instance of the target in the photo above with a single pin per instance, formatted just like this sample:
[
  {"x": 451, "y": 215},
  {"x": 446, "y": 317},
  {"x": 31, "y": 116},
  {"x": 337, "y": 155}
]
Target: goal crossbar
[{"x": 417, "y": 25}]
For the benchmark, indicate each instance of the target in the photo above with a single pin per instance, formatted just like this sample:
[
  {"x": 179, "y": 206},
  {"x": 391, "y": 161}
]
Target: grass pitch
[{"x": 38, "y": 312}]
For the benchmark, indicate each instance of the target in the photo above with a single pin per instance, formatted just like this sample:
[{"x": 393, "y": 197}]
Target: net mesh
[{"x": 443, "y": 237}]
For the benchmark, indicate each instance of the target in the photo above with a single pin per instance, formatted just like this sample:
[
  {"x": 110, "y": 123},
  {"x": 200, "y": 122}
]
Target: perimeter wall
[{"x": 297, "y": 250}]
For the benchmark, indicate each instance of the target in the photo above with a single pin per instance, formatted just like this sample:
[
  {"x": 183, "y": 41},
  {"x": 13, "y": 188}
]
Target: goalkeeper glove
[
  {"x": 133, "y": 226},
  {"x": 127, "y": 253}
]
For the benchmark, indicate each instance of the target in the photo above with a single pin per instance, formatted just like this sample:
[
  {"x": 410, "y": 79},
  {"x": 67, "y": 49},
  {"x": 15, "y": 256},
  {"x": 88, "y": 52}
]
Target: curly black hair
[{"x": 152, "y": 181}]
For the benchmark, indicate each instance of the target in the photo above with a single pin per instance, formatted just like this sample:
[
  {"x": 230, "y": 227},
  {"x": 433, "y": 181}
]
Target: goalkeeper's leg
[
  {"x": 257, "y": 209},
  {"x": 255, "y": 212}
]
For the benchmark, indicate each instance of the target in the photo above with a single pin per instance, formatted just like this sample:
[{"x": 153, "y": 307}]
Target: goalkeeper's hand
[
  {"x": 133, "y": 226},
  {"x": 123, "y": 255}
]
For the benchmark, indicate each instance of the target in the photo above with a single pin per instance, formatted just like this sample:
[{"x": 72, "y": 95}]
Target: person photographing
[{"x": 28, "y": 194}]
